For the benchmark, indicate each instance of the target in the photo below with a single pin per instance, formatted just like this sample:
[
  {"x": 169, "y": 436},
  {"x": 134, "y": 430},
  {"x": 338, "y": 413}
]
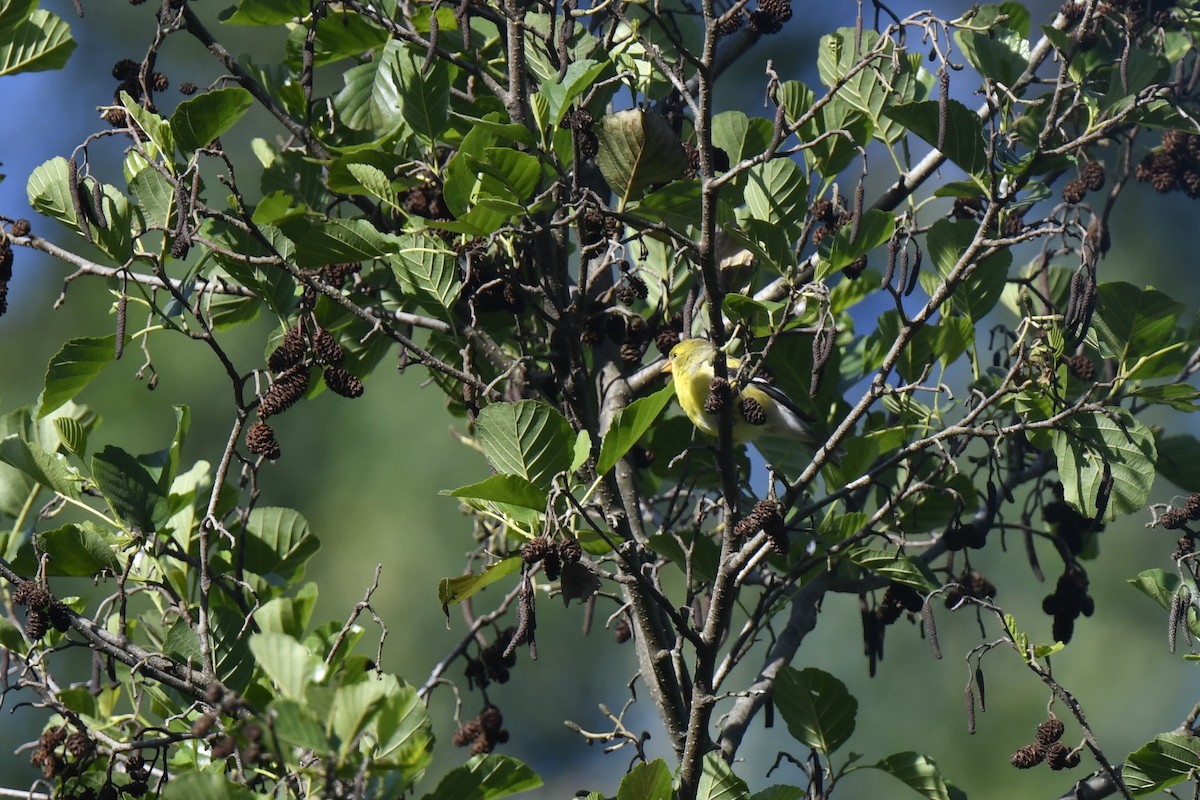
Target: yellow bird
[{"x": 759, "y": 410}]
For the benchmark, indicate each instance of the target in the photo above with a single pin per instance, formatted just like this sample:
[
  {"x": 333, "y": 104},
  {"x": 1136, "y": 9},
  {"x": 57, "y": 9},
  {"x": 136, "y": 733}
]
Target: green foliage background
[{"x": 367, "y": 475}]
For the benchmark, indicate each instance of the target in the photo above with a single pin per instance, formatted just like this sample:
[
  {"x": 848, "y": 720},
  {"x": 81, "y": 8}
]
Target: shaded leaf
[
  {"x": 526, "y": 438},
  {"x": 1166, "y": 760},
  {"x": 455, "y": 590},
  {"x": 964, "y": 132},
  {"x": 717, "y": 781},
  {"x": 509, "y": 489},
  {"x": 918, "y": 772},
  {"x": 637, "y": 149},
  {"x": 895, "y": 567},
  {"x": 287, "y": 662},
  {"x": 629, "y": 425},
  {"x": 41, "y": 42},
  {"x": 1085, "y": 443},
  {"x": 817, "y": 707},
  {"x": 78, "y": 551},
  {"x": 486, "y": 777},
  {"x": 132, "y": 494},
  {"x": 200, "y": 119},
  {"x": 647, "y": 781}
]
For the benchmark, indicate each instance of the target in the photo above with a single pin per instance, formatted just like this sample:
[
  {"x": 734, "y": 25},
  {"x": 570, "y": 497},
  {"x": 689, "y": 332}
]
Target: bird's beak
[{"x": 667, "y": 367}]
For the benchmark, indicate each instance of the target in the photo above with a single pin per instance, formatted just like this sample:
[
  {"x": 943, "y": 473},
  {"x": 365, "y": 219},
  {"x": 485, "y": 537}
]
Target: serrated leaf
[
  {"x": 266, "y": 12},
  {"x": 370, "y": 99},
  {"x": 740, "y": 136},
  {"x": 424, "y": 94},
  {"x": 964, "y": 132},
  {"x": 287, "y": 662},
  {"x": 875, "y": 229},
  {"x": 278, "y": 544},
  {"x": 629, "y": 425},
  {"x": 1132, "y": 323},
  {"x": 76, "y": 365},
  {"x": 49, "y": 192},
  {"x": 817, "y": 707},
  {"x": 895, "y": 567},
  {"x": 647, "y": 781},
  {"x": 320, "y": 240},
  {"x": 154, "y": 126},
  {"x": 1165, "y": 761},
  {"x": 637, "y": 149},
  {"x": 46, "y": 469},
  {"x": 998, "y": 51},
  {"x": 78, "y": 551},
  {"x": 919, "y": 772},
  {"x": 717, "y": 781},
  {"x": 677, "y": 204},
  {"x": 777, "y": 192},
  {"x": 298, "y": 726},
  {"x": 486, "y": 777},
  {"x": 580, "y": 75},
  {"x": 978, "y": 294},
  {"x": 134, "y": 496},
  {"x": 1177, "y": 460},
  {"x": 427, "y": 269},
  {"x": 374, "y": 180},
  {"x": 455, "y": 590},
  {"x": 41, "y": 42},
  {"x": 72, "y": 433},
  {"x": 526, "y": 438},
  {"x": 11, "y": 638},
  {"x": 1085, "y": 443},
  {"x": 200, "y": 119},
  {"x": 867, "y": 90},
  {"x": 510, "y": 489}
]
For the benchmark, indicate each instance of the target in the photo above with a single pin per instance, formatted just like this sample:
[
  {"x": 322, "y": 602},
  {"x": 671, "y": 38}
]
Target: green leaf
[
  {"x": 647, "y": 781},
  {"x": 998, "y": 51},
  {"x": 526, "y": 438},
  {"x": 266, "y": 12},
  {"x": 72, "y": 433},
  {"x": 403, "y": 730},
  {"x": 875, "y": 229},
  {"x": 1082, "y": 446},
  {"x": 15, "y": 12},
  {"x": 424, "y": 94},
  {"x": 1165, "y": 761},
  {"x": 918, "y": 772},
  {"x": 637, "y": 149},
  {"x": 428, "y": 269},
  {"x": 196, "y": 785},
  {"x": 509, "y": 489},
  {"x": 717, "y": 781},
  {"x": 1177, "y": 460},
  {"x": 78, "y": 551},
  {"x": 154, "y": 126},
  {"x": 890, "y": 80},
  {"x": 677, "y": 204},
  {"x": 41, "y": 42},
  {"x": 486, "y": 777},
  {"x": 43, "y": 468},
  {"x": 455, "y": 590},
  {"x": 817, "y": 707},
  {"x": 580, "y": 76},
  {"x": 278, "y": 545},
  {"x": 583, "y": 449},
  {"x": 200, "y": 119},
  {"x": 964, "y": 132},
  {"x": 629, "y": 425},
  {"x": 1177, "y": 396},
  {"x": 780, "y": 792},
  {"x": 299, "y": 726},
  {"x": 740, "y": 136},
  {"x": 847, "y": 129},
  {"x": 895, "y": 567},
  {"x": 1132, "y": 323},
  {"x": 11, "y": 638},
  {"x": 777, "y": 192},
  {"x": 320, "y": 240},
  {"x": 1161, "y": 587},
  {"x": 370, "y": 100},
  {"x": 287, "y": 662},
  {"x": 981, "y": 290},
  {"x": 134, "y": 496},
  {"x": 49, "y": 192}
]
